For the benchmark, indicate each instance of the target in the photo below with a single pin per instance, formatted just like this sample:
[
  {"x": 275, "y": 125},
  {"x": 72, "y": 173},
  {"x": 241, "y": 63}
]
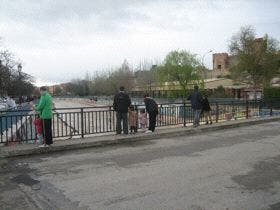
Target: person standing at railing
[
  {"x": 196, "y": 99},
  {"x": 133, "y": 119},
  {"x": 38, "y": 122},
  {"x": 45, "y": 109},
  {"x": 152, "y": 109},
  {"x": 143, "y": 119},
  {"x": 121, "y": 104},
  {"x": 206, "y": 109}
]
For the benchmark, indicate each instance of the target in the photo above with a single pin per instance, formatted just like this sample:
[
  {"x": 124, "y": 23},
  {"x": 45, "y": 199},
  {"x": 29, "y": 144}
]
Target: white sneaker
[
  {"x": 148, "y": 131},
  {"x": 43, "y": 145}
]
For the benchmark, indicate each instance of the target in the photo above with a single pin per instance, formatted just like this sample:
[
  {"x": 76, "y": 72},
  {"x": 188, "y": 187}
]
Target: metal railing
[{"x": 17, "y": 126}]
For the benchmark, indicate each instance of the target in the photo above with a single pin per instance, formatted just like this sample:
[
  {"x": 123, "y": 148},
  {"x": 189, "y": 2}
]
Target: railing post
[
  {"x": 110, "y": 118},
  {"x": 260, "y": 107},
  {"x": 184, "y": 113},
  {"x": 247, "y": 109},
  {"x": 217, "y": 112},
  {"x": 82, "y": 122},
  {"x": 271, "y": 112},
  {"x": 233, "y": 112}
]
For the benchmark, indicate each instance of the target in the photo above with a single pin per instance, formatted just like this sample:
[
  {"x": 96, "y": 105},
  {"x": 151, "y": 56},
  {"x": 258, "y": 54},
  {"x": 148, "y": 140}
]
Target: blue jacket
[{"x": 196, "y": 100}]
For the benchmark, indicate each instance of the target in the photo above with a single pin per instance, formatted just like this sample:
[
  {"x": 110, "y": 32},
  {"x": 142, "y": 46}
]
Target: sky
[{"x": 61, "y": 40}]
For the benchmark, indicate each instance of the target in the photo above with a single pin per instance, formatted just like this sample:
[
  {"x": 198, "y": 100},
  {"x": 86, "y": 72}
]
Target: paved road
[{"x": 231, "y": 169}]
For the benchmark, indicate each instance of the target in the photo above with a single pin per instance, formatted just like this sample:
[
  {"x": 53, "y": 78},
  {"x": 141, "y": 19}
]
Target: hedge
[{"x": 271, "y": 92}]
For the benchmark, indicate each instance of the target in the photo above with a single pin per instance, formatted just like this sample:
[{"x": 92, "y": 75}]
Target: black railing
[{"x": 17, "y": 126}]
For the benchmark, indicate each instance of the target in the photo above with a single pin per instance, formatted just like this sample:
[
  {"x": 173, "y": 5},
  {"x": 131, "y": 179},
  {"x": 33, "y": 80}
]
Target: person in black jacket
[
  {"x": 152, "y": 109},
  {"x": 121, "y": 104},
  {"x": 206, "y": 109},
  {"x": 196, "y": 99}
]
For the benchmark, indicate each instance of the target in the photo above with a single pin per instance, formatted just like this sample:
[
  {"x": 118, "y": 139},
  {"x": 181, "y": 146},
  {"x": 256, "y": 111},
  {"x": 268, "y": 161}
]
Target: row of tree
[
  {"x": 256, "y": 62},
  {"x": 13, "y": 81},
  {"x": 179, "y": 68}
]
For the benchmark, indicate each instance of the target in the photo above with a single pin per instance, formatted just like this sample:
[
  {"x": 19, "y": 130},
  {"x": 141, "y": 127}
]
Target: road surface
[{"x": 229, "y": 169}]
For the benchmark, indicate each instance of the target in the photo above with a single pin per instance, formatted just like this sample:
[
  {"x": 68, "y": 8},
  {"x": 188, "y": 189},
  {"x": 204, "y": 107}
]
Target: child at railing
[
  {"x": 39, "y": 128},
  {"x": 143, "y": 119},
  {"x": 206, "y": 110},
  {"x": 132, "y": 119}
]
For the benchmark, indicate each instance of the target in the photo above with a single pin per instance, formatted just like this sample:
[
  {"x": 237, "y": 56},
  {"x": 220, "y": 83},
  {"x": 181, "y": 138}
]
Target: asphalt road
[{"x": 229, "y": 169}]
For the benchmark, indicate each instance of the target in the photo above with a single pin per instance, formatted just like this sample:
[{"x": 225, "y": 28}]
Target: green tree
[
  {"x": 146, "y": 78},
  {"x": 181, "y": 67},
  {"x": 124, "y": 76},
  {"x": 58, "y": 91},
  {"x": 12, "y": 81},
  {"x": 256, "y": 60}
]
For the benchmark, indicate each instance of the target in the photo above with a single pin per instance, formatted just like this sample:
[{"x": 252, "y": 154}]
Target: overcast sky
[{"x": 60, "y": 40}]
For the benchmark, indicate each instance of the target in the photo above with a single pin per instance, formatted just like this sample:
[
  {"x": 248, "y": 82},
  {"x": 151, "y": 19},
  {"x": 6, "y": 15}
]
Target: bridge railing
[{"x": 17, "y": 126}]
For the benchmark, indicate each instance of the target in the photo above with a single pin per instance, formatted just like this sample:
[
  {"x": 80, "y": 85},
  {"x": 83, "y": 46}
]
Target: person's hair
[
  {"x": 122, "y": 88},
  {"x": 143, "y": 111},
  {"x": 43, "y": 88},
  {"x": 131, "y": 107},
  {"x": 196, "y": 87},
  {"x": 146, "y": 95}
]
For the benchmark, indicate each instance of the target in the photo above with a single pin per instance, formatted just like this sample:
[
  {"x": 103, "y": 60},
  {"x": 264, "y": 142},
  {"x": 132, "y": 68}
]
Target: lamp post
[
  {"x": 1, "y": 84},
  {"x": 19, "y": 79},
  {"x": 19, "y": 68},
  {"x": 202, "y": 65},
  {"x": 202, "y": 61},
  {"x": 203, "y": 57}
]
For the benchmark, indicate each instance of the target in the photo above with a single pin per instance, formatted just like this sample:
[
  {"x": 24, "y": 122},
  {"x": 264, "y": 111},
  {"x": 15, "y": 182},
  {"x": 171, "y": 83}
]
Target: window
[{"x": 219, "y": 67}]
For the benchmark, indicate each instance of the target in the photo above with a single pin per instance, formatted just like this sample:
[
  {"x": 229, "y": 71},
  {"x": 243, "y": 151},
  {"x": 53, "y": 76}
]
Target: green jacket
[{"x": 45, "y": 106}]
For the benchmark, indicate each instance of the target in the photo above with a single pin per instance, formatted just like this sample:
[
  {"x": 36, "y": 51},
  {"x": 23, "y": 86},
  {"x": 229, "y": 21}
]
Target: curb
[{"x": 90, "y": 142}]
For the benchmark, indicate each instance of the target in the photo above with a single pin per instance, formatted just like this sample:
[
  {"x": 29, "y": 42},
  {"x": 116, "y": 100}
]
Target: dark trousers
[
  {"x": 47, "y": 131},
  {"x": 152, "y": 121},
  {"x": 122, "y": 123}
]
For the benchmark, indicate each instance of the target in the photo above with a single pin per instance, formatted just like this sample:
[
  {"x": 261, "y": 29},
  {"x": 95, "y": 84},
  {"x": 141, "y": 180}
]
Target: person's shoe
[
  {"x": 148, "y": 131},
  {"x": 211, "y": 123},
  {"x": 43, "y": 145},
  {"x": 206, "y": 123}
]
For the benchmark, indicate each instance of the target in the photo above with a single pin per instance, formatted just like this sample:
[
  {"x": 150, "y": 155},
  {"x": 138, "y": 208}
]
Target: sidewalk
[{"x": 100, "y": 141}]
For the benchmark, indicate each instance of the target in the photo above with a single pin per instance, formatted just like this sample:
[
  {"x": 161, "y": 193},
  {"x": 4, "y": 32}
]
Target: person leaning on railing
[
  {"x": 45, "y": 111},
  {"x": 152, "y": 109}
]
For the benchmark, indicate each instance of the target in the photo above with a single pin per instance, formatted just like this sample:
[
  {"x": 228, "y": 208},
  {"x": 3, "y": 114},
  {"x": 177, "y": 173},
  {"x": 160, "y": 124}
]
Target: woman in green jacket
[{"x": 45, "y": 109}]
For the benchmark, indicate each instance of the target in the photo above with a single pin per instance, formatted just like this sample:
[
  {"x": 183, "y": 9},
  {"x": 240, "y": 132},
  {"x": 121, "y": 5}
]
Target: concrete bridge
[{"x": 231, "y": 165}]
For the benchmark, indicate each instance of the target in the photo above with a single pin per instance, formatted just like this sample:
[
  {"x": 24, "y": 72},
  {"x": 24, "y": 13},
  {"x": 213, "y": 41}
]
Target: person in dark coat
[
  {"x": 196, "y": 99},
  {"x": 206, "y": 109},
  {"x": 152, "y": 109},
  {"x": 121, "y": 105}
]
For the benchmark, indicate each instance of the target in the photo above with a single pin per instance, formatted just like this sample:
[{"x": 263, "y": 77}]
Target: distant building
[{"x": 221, "y": 65}]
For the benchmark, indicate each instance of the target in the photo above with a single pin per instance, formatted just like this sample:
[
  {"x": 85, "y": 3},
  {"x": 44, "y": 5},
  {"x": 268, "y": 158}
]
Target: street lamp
[
  {"x": 19, "y": 68},
  {"x": 205, "y": 55},
  {"x": 19, "y": 78},
  {"x": 1, "y": 84}
]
